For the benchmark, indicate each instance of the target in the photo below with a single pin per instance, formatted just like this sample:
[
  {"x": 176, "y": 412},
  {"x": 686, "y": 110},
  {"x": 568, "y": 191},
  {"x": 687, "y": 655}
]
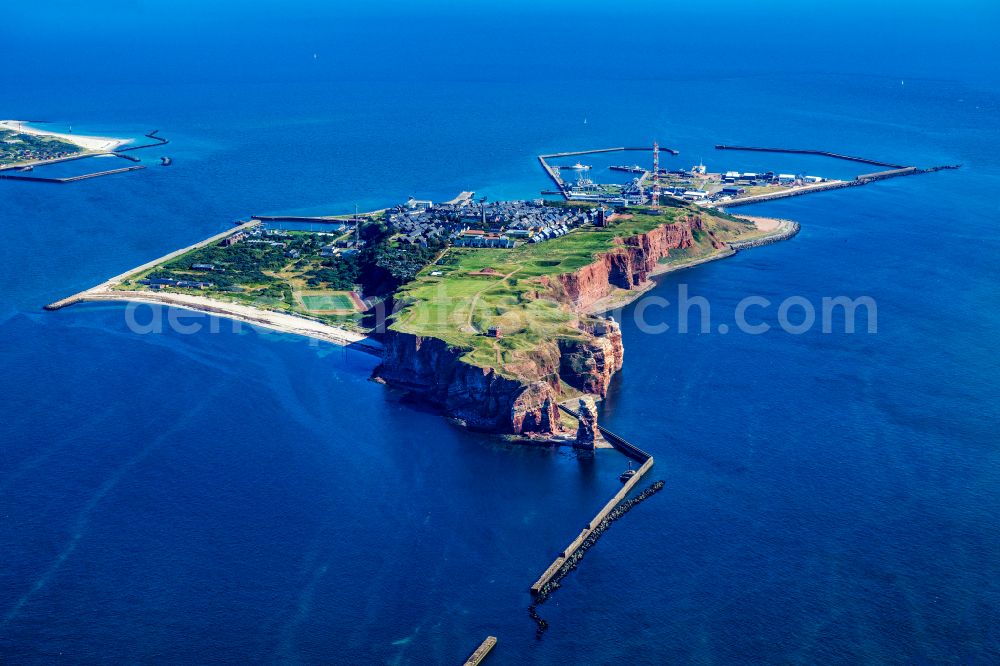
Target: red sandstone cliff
[
  {"x": 629, "y": 264},
  {"x": 590, "y": 362},
  {"x": 482, "y": 398},
  {"x": 487, "y": 400}
]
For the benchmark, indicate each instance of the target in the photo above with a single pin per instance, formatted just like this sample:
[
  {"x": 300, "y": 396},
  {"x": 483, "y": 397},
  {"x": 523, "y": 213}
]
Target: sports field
[{"x": 327, "y": 301}]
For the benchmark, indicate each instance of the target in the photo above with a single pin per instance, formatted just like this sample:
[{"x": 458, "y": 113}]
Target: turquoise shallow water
[{"x": 251, "y": 497}]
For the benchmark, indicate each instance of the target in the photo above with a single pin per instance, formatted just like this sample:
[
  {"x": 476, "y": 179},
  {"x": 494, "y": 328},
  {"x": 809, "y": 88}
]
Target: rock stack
[{"x": 586, "y": 431}]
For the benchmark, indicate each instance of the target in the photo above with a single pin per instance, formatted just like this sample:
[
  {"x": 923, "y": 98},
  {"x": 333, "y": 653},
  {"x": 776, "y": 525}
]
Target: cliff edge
[{"x": 498, "y": 337}]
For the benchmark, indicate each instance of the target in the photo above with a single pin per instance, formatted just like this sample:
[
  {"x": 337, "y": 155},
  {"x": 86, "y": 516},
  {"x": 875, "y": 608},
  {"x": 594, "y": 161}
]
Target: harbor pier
[{"x": 553, "y": 172}]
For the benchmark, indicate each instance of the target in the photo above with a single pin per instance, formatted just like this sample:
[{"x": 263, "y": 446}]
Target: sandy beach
[
  {"x": 97, "y": 144},
  {"x": 269, "y": 319},
  {"x": 763, "y": 223}
]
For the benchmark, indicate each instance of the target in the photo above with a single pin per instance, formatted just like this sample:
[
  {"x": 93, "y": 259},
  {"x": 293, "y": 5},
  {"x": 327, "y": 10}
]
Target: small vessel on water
[
  {"x": 627, "y": 474},
  {"x": 166, "y": 161},
  {"x": 577, "y": 167}
]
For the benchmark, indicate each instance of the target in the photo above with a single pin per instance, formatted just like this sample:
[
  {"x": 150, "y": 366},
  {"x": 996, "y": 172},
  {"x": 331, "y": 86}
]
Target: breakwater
[
  {"x": 157, "y": 141},
  {"x": 821, "y": 153},
  {"x": 614, "y": 509},
  {"x": 70, "y": 179},
  {"x": 672, "y": 151},
  {"x": 554, "y": 175},
  {"x": 569, "y": 563}
]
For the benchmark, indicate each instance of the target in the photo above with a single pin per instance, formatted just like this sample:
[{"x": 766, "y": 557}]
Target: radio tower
[{"x": 656, "y": 175}]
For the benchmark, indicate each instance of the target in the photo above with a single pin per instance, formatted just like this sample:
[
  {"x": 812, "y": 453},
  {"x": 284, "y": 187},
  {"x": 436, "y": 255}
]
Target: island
[
  {"x": 488, "y": 310},
  {"x": 27, "y": 152},
  {"x": 494, "y": 312},
  {"x": 22, "y": 145}
]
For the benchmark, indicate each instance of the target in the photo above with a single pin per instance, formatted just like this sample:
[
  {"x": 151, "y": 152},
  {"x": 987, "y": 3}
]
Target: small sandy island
[{"x": 96, "y": 144}]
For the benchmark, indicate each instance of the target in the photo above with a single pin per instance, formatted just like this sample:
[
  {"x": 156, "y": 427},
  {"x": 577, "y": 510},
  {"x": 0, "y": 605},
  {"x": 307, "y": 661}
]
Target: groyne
[{"x": 569, "y": 551}]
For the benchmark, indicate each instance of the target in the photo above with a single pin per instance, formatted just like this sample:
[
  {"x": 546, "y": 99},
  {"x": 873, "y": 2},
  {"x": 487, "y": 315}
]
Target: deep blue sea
[{"x": 250, "y": 497}]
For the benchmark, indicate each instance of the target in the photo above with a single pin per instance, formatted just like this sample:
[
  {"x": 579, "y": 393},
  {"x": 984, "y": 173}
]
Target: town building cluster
[{"x": 500, "y": 224}]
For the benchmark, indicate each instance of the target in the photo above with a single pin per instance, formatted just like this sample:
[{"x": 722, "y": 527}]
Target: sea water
[{"x": 237, "y": 496}]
